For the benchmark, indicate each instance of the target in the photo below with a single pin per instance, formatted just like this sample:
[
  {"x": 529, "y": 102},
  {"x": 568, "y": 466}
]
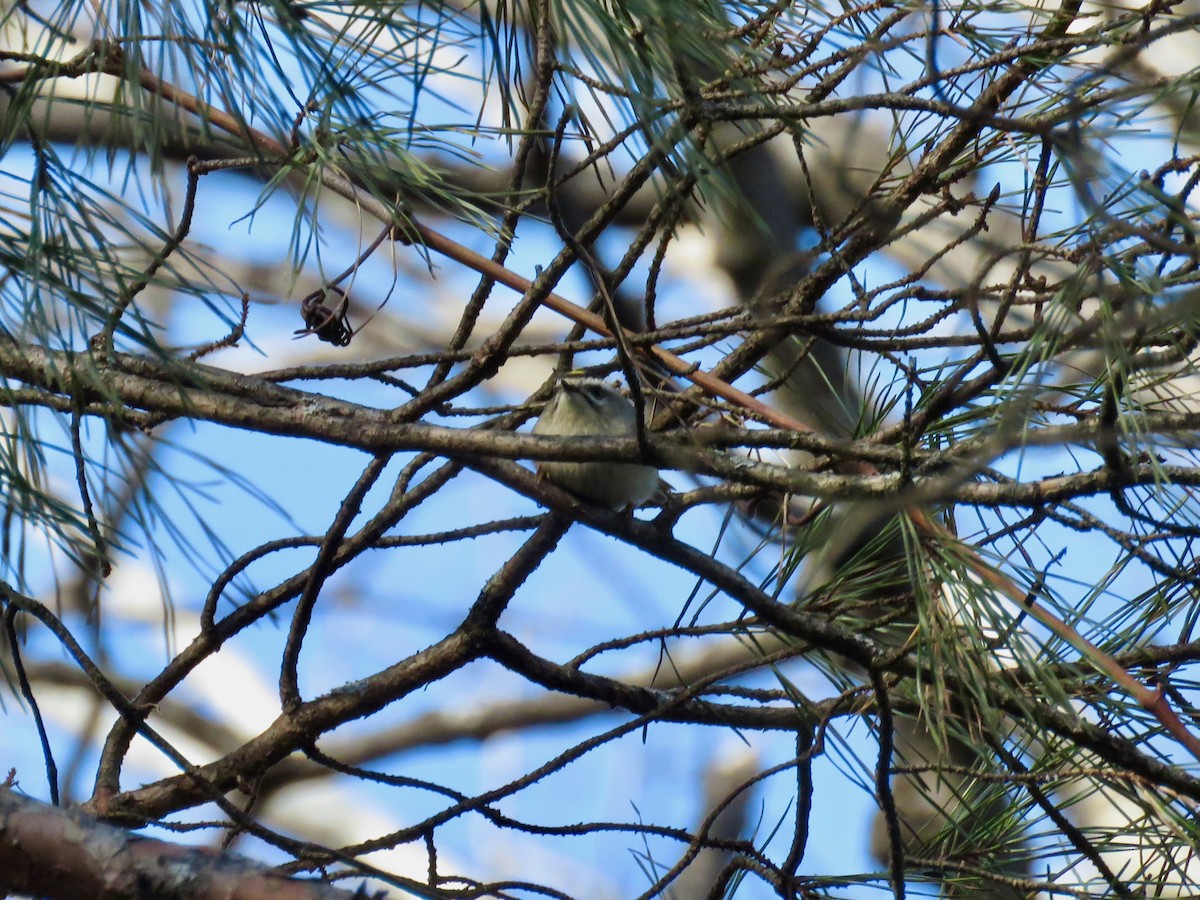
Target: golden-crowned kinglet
[{"x": 591, "y": 407}]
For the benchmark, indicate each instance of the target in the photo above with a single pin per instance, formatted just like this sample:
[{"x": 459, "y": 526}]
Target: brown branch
[{"x": 65, "y": 854}]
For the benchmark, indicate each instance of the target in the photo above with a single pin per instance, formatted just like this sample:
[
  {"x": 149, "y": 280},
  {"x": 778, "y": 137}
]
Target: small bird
[{"x": 591, "y": 407}]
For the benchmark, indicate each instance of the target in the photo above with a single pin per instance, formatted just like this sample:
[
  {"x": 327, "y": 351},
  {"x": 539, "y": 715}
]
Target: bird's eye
[{"x": 593, "y": 394}]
